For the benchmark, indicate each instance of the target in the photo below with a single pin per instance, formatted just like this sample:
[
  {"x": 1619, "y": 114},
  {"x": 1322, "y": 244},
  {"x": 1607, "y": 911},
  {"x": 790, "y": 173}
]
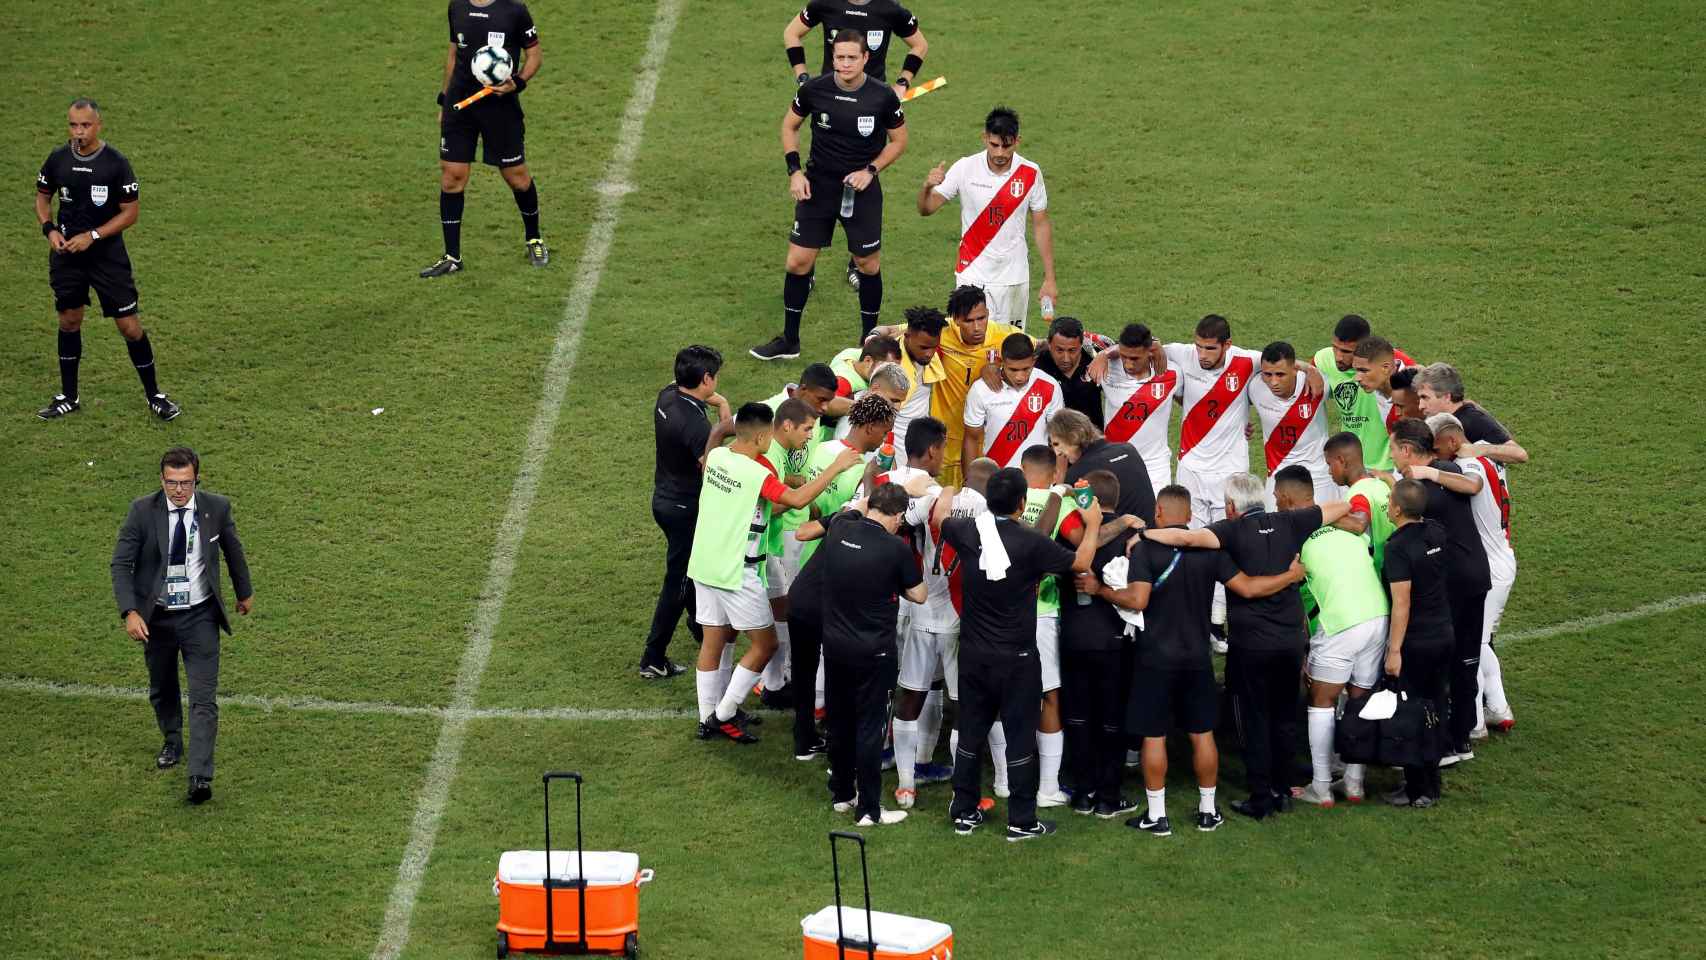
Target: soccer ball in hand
[{"x": 492, "y": 66}]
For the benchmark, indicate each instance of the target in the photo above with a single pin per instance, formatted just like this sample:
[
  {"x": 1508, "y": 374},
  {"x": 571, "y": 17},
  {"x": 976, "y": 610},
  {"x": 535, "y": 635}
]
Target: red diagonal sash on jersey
[
  {"x": 1290, "y": 428},
  {"x": 1151, "y": 395},
  {"x": 1200, "y": 419},
  {"x": 1007, "y": 200},
  {"x": 1393, "y": 415},
  {"x": 1501, "y": 495},
  {"x": 1026, "y": 415}
]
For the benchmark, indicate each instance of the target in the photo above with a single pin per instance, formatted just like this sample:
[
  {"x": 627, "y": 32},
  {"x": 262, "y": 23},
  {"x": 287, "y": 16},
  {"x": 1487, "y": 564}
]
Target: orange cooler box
[{"x": 897, "y": 937}]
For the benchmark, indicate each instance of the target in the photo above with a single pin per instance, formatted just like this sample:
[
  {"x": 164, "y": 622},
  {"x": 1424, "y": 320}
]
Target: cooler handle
[
  {"x": 868, "y": 945},
  {"x": 580, "y": 860},
  {"x": 645, "y": 877}
]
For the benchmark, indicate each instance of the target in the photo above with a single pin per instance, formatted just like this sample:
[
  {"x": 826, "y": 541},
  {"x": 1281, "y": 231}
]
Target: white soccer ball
[{"x": 492, "y": 66}]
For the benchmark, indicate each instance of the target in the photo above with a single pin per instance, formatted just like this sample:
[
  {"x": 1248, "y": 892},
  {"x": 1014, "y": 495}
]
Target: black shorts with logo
[
  {"x": 105, "y": 266},
  {"x": 1187, "y": 697},
  {"x": 814, "y": 219},
  {"x": 496, "y": 122}
]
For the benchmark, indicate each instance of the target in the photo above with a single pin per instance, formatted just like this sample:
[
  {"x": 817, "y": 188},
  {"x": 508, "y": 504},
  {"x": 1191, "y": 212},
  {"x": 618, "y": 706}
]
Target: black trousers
[
  {"x": 1468, "y": 611},
  {"x": 855, "y": 694},
  {"x": 193, "y": 636},
  {"x": 1092, "y": 709},
  {"x": 1266, "y": 686},
  {"x": 805, "y": 632},
  {"x": 1008, "y": 689},
  {"x": 1423, "y": 674},
  {"x": 675, "y": 597}
]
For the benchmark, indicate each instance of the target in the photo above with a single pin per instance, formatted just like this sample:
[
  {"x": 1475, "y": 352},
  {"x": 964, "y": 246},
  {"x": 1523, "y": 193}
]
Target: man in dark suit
[{"x": 166, "y": 585}]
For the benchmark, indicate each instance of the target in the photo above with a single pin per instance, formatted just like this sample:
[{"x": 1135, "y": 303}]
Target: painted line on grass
[
  {"x": 1596, "y": 621},
  {"x": 447, "y": 755}
]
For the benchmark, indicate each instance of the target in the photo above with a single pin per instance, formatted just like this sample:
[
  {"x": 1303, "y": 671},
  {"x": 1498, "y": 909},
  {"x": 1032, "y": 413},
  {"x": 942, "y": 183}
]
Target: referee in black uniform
[
  {"x": 496, "y": 120},
  {"x": 98, "y": 196},
  {"x": 858, "y": 129},
  {"x": 683, "y": 437}
]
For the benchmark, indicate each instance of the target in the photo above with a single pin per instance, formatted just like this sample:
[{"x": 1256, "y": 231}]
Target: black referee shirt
[
  {"x": 999, "y": 617},
  {"x": 1468, "y": 572},
  {"x": 1137, "y": 497},
  {"x": 1262, "y": 544},
  {"x": 870, "y": 568},
  {"x": 1077, "y": 392},
  {"x": 682, "y": 430},
  {"x": 89, "y": 188},
  {"x": 849, "y": 127},
  {"x": 878, "y": 23},
  {"x": 1419, "y": 552}
]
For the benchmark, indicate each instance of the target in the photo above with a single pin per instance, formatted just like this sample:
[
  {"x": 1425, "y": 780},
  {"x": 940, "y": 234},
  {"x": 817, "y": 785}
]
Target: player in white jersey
[
  {"x": 1002, "y": 423},
  {"x": 1294, "y": 428},
  {"x": 1491, "y": 508},
  {"x": 1214, "y": 378},
  {"x": 996, "y": 189},
  {"x": 1139, "y": 393}
]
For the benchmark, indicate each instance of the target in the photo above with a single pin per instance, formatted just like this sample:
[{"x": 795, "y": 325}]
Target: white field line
[{"x": 447, "y": 755}]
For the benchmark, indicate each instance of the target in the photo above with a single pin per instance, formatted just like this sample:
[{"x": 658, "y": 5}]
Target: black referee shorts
[
  {"x": 105, "y": 266},
  {"x": 1187, "y": 697},
  {"x": 496, "y": 122},
  {"x": 814, "y": 219}
]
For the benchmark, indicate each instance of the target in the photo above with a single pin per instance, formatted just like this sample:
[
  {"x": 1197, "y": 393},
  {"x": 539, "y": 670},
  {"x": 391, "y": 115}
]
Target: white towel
[
  {"x": 1116, "y": 573},
  {"x": 991, "y": 552}
]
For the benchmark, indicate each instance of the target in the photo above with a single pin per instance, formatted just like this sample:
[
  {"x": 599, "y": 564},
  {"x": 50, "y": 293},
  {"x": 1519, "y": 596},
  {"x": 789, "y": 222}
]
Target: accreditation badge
[{"x": 177, "y": 596}]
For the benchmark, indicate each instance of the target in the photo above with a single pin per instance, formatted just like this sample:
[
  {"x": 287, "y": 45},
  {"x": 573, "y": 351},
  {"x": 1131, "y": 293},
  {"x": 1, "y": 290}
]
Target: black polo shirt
[
  {"x": 1468, "y": 571},
  {"x": 869, "y": 568},
  {"x": 999, "y": 617},
  {"x": 1137, "y": 496},
  {"x": 1093, "y": 627},
  {"x": 1175, "y": 623},
  {"x": 1480, "y": 426},
  {"x": 1077, "y": 392},
  {"x": 1418, "y": 553},
  {"x": 681, "y": 430},
  {"x": 1261, "y": 544},
  {"x": 805, "y": 594}
]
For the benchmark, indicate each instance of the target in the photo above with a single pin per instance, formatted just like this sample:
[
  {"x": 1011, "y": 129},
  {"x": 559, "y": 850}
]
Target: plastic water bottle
[
  {"x": 847, "y": 200},
  {"x": 1047, "y": 302},
  {"x": 1082, "y": 494},
  {"x": 885, "y": 456}
]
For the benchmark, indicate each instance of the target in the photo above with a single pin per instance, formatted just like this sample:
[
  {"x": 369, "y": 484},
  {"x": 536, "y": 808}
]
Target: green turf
[{"x": 1513, "y": 188}]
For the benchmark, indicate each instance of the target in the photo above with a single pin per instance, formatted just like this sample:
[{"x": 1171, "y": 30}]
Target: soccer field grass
[{"x": 1514, "y": 188}]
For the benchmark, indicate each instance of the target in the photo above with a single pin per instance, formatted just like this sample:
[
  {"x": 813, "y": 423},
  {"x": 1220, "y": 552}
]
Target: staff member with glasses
[{"x": 166, "y": 585}]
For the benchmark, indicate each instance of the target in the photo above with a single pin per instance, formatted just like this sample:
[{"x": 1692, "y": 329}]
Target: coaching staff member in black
[
  {"x": 1078, "y": 443},
  {"x": 1000, "y": 678},
  {"x": 683, "y": 437},
  {"x": 166, "y": 584},
  {"x": 98, "y": 197},
  {"x": 1419, "y": 635},
  {"x": 871, "y": 569},
  {"x": 858, "y": 129},
  {"x": 496, "y": 120}
]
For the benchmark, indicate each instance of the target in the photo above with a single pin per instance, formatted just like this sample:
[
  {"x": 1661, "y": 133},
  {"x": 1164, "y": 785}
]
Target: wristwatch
[
  {"x": 871, "y": 168},
  {"x": 94, "y": 234},
  {"x": 903, "y": 82}
]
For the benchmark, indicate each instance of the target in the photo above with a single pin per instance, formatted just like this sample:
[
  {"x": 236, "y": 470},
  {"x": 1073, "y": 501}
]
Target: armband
[
  {"x": 793, "y": 160},
  {"x": 796, "y": 56},
  {"x": 47, "y": 228},
  {"x": 519, "y": 81},
  {"x": 913, "y": 63}
]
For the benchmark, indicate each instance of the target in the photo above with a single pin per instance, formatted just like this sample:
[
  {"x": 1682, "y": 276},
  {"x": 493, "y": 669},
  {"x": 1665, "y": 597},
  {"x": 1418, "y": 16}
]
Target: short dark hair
[
  {"x": 870, "y": 409},
  {"x": 1018, "y": 346},
  {"x": 1173, "y": 491},
  {"x": 819, "y": 376},
  {"x": 1136, "y": 335},
  {"x": 1041, "y": 455},
  {"x": 1404, "y": 379},
  {"x": 794, "y": 410},
  {"x": 922, "y": 434},
  {"x": 179, "y": 457},
  {"x": 889, "y": 499},
  {"x": 754, "y": 414},
  {"x": 925, "y": 320},
  {"x": 1005, "y": 491},
  {"x": 964, "y": 300},
  {"x": 1106, "y": 486},
  {"x": 1414, "y": 433},
  {"x": 1214, "y": 327},
  {"x": 85, "y": 103},
  {"x": 1342, "y": 440},
  {"x": 879, "y": 348},
  {"x": 1373, "y": 348},
  {"x": 1295, "y": 477},
  {"x": 693, "y": 364},
  {"x": 1350, "y": 328},
  {"x": 1411, "y": 497},
  {"x": 1277, "y": 351},
  {"x": 849, "y": 35},
  {"x": 1068, "y": 327},
  {"x": 1002, "y": 122}
]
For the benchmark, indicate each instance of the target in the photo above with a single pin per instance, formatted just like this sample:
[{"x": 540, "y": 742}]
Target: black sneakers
[
  {"x": 1209, "y": 822},
  {"x": 777, "y": 349},
  {"x": 732, "y": 729},
  {"x": 163, "y": 407},
  {"x": 965, "y": 823},
  {"x": 1083, "y": 803},
  {"x": 1040, "y": 828},
  {"x": 1109, "y": 809},
  {"x": 537, "y": 254},
  {"x": 1155, "y": 828},
  {"x": 445, "y": 266},
  {"x": 661, "y": 671},
  {"x": 58, "y": 407},
  {"x": 818, "y": 748}
]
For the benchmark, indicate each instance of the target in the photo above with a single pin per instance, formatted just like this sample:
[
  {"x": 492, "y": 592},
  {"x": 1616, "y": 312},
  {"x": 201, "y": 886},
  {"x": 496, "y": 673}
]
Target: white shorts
[
  {"x": 1007, "y": 302},
  {"x": 1355, "y": 654},
  {"x": 924, "y": 654},
  {"x": 1160, "y": 472},
  {"x": 744, "y": 609},
  {"x": 1048, "y": 651},
  {"x": 779, "y": 572},
  {"x": 1494, "y": 609},
  {"x": 1326, "y": 491},
  {"x": 1208, "y": 495}
]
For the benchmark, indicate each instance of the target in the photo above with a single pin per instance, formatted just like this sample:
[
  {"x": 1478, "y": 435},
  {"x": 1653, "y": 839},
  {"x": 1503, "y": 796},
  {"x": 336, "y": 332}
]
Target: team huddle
[{"x": 955, "y": 511}]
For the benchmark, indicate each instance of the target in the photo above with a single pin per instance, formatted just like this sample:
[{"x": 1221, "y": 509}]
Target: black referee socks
[
  {"x": 450, "y": 218},
  {"x": 527, "y": 201},
  {"x": 870, "y": 301},
  {"x": 70, "y": 352},
  {"x": 796, "y": 287},
  {"x": 142, "y": 357}
]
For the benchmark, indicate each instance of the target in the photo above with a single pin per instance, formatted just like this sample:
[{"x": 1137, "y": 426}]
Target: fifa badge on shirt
[
  {"x": 873, "y": 39},
  {"x": 494, "y": 39},
  {"x": 98, "y": 193},
  {"x": 867, "y": 126}
]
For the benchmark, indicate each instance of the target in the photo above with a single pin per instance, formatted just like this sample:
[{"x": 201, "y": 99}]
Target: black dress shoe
[
  {"x": 201, "y": 790},
  {"x": 168, "y": 757},
  {"x": 1250, "y": 808}
]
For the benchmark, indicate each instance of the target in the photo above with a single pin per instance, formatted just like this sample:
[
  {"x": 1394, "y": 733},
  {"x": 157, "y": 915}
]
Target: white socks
[
  {"x": 710, "y": 687},
  {"x": 998, "y": 753},
  {"x": 905, "y": 752},
  {"x": 775, "y": 675},
  {"x": 1050, "y": 747},
  {"x": 1157, "y": 803},
  {"x": 930, "y": 726},
  {"x": 725, "y": 668},
  {"x": 740, "y": 684},
  {"x": 1493, "y": 683},
  {"x": 1205, "y": 799},
  {"x": 818, "y": 688},
  {"x": 953, "y": 747},
  {"x": 1321, "y": 743}
]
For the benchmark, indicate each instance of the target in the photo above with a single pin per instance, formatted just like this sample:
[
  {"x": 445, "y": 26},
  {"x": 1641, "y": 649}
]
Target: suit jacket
[{"x": 139, "y": 559}]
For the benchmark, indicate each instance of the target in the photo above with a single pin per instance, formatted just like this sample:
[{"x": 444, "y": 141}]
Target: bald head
[{"x": 978, "y": 473}]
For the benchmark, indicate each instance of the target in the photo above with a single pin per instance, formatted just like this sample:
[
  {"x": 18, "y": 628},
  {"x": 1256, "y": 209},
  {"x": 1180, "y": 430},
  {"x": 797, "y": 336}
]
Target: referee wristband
[
  {"x": 912, "y": 64},
  {"x": 793, "y": 160},
  {"x": 796, "y": 56},
  {"x": 520, "y": 82},
  {"x": 48, "y": 227}
]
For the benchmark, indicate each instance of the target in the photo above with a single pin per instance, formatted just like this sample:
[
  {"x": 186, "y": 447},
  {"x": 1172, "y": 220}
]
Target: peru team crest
[
  {"x": 1232, "y": 382},
  {"x": 1304, "y": 411},
  {"x": 1034, "y": 403},
  {"x": 1016, "y": 188},
  {"x": 1158, "y": 390},
  {"x": 867, "y": 126}
]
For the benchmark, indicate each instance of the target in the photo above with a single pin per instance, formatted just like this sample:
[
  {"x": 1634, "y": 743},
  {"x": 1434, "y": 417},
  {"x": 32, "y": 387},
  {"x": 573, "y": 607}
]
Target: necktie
[{"x": 179, "y": 551}]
